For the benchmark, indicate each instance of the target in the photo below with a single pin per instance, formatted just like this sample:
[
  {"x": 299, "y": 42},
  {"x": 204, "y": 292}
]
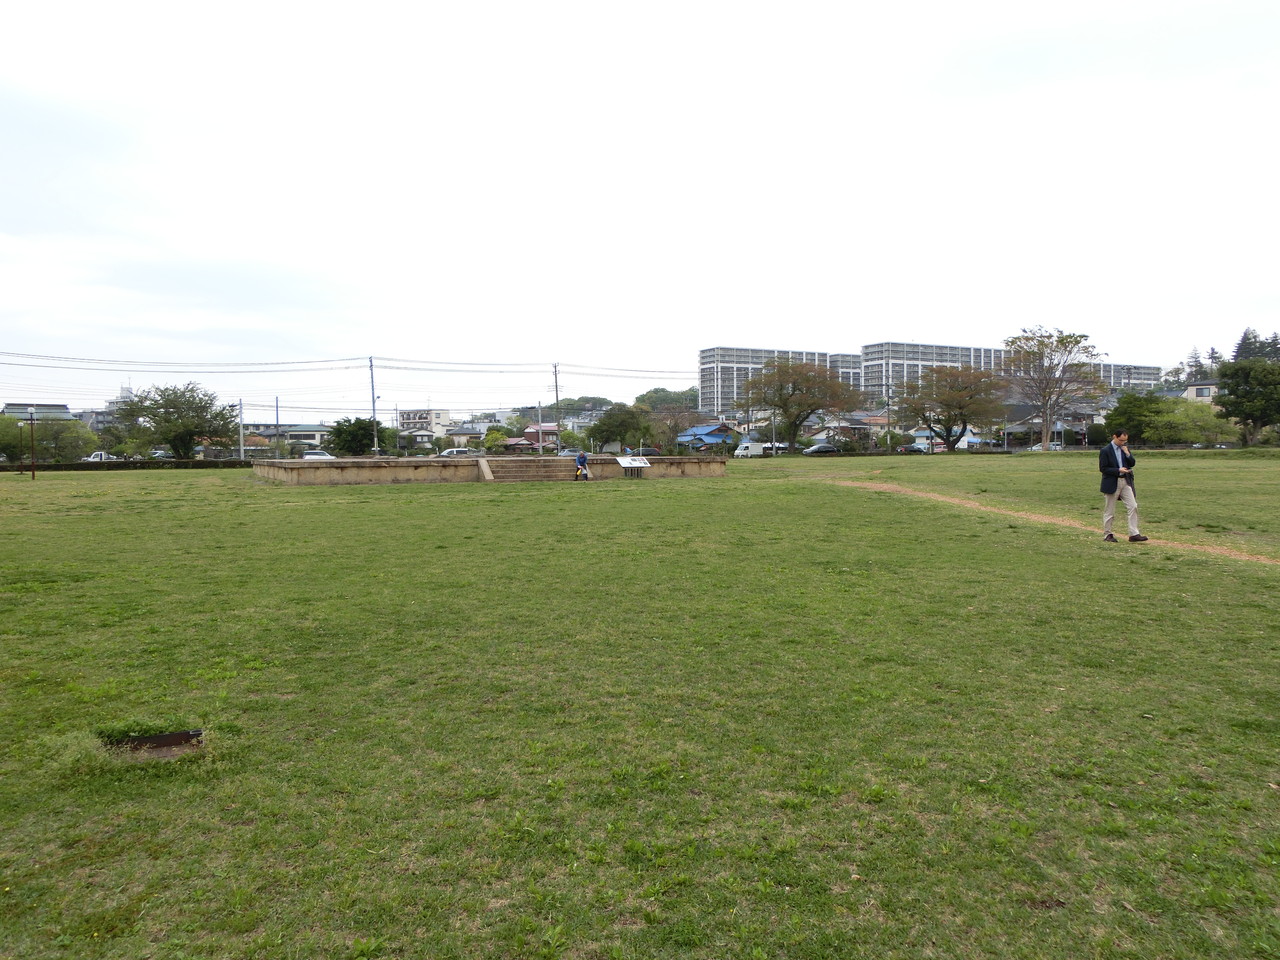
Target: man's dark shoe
[
  {"x": 1110, "y": 538},
  {"x": 1137, "y": 538}
]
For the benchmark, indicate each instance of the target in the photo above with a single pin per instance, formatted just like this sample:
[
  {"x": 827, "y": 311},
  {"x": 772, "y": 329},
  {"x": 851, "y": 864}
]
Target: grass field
[{"x": 774, "y": 715}]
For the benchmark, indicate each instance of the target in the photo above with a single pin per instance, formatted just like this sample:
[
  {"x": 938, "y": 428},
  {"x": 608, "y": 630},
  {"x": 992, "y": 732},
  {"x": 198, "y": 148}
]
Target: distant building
[
  {"x": 1202, "y": 391},
  {"x": 880, "y": 367},
  {"x": 37, "y": 411},
  {"x": 302, "y": 434},
  {"x": 722, "y": 371},
  {"x": 435, "y": 422}
]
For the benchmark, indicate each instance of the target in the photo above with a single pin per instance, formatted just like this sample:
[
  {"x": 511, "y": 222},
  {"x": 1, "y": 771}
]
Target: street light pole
[{"x": 888, "y": 418}]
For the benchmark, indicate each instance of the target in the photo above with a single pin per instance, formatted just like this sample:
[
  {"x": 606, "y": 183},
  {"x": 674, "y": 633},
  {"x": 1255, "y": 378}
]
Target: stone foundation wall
[{"x": 357, "y": 470}]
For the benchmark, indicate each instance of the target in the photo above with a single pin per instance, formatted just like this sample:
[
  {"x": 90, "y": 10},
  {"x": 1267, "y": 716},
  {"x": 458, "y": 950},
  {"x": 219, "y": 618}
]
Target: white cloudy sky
[{"x": 476, "y": 189}]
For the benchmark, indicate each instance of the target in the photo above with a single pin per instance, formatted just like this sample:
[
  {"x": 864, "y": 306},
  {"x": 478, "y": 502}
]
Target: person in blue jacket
[{"x": 580, "y": 461}]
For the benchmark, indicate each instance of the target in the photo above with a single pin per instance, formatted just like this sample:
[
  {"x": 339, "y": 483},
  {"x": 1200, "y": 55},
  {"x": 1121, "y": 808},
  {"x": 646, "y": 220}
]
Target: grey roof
[{"x": 43, "y": 411}]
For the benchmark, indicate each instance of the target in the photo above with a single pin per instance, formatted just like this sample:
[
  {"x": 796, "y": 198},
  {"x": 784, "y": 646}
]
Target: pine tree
[
  {"x": 1195, "y": 366},
  {"x": 1249, "y": 346}
]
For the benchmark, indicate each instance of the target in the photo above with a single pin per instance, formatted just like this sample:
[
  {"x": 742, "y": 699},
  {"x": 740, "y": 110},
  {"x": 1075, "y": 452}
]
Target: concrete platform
[{"x": 358, "y": 470}]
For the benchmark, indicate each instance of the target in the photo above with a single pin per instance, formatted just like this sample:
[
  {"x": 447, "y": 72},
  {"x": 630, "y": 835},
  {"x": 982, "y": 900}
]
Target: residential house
[
  {"x": 1202, "y": 391},
  {"x": 543, "y": 435},
  {"x": 708, "y": 435}
]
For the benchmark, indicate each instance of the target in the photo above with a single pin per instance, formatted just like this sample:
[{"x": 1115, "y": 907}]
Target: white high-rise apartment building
[{"x": 722, "y": 370}]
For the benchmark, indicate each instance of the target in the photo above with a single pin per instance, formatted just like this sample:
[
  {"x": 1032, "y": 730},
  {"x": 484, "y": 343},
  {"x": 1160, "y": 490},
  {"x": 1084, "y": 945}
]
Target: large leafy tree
[
  {"x": 65, "y": 441},
  {"x": 180, "y": 417},
  {"x": 1249, "y": 393},
  {"x": 57, "y": 441},
  {"x": 1134, "y": 413},
  {"x": 354, "y": 438},
  {"x": 669, "y": 420},
  {"x": 794, "y": 392},
  {"x": 622, "y": 423},
  {"x": 1185, "y": 421},
  {"x": 14, "y": 444},
  {"x": 948, "y": 400},
  {"x": 1052, "y": 371}
]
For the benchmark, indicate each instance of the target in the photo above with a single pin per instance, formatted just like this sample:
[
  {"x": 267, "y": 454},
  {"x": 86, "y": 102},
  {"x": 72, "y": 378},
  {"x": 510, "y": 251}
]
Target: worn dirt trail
[{"x": 1046, "y": 518}]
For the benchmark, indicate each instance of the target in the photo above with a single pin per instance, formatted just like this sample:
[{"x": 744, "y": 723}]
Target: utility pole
[
  {"x": 555, "y": 373},
  {"x": 374, "y": 395},
  {"x": 240, "y": 404}
]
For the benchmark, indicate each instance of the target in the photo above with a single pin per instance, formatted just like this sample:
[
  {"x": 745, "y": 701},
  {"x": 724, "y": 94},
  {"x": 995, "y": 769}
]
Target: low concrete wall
[{"x": 457, "y": 469}]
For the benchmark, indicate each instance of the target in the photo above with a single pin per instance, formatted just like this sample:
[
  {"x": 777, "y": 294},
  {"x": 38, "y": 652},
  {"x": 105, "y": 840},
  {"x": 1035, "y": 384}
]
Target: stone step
[{"x": 516, "y": 471}]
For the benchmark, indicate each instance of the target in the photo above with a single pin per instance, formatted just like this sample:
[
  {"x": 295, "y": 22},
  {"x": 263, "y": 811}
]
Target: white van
[{"x": 749, "y": 450}]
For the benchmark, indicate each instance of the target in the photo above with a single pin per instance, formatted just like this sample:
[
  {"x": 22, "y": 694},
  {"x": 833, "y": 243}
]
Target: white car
[
  {"x": 459, "y": 452},
  {"x": 317, "y": 455}
]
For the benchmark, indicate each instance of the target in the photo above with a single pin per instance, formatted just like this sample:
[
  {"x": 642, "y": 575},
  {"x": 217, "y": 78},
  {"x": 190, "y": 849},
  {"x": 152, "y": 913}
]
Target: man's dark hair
[{"x": 1118, "y": 430}]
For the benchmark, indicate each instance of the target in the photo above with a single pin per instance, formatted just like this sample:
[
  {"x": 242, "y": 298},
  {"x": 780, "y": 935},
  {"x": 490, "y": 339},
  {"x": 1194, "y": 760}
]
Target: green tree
[
  {"x": 669, "y": 421},
  {"x": 13, "y": 440},
  {"x": 622, "y": 423},
  {"x": 179, "y": 417},
  {"x": 1184, "y": 421},
  {"x": 495, "y": 440},
  {"x": 796, "y": 391},
  {"x": 1195, "y": 366},
  {"x": 660, "y": 398},
  {"x": 1249, "y": 393},
  {"x": 1174, "y": 378},
  {"x": 1052, "y": 371},
  {"x": 1134, "y": 412},
  {"x": 354, "y": 438},
  {"x": 570, "y": 439},
  {"x": 1249, "y": 346},
  {"x": 64, "y": 441},
  {"x": 948, "y": 400},
  {"x": 1096, "y": 435}
]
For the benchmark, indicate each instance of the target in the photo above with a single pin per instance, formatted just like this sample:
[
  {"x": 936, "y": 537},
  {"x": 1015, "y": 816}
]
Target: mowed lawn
[{"x": 767, "y": 716}]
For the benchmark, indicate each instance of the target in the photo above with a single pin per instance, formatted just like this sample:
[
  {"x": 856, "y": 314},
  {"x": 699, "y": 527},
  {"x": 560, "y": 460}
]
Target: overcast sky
[{"x": 473, "y": 191}]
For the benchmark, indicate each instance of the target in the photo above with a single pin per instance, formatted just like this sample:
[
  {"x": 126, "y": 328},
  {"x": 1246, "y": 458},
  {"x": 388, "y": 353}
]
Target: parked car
[
  {"x": 569, "y": 452},
  {"x": 646, "y": 452},
  {"x": 819, "y": 450},
  {"x": 460, "y": 452},
  {"x": 99, "y": 456},
  {"x": 317, "y": 455},
  {"x": 912, "y": 448},
  {"x": 749, "y": 449},
  {"x": 1053, "y": 446},
  {"x": 160, "y": 455}
]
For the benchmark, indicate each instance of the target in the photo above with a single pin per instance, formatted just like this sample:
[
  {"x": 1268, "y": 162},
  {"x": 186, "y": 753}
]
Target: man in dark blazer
[{"x": 1116, "y": 463}]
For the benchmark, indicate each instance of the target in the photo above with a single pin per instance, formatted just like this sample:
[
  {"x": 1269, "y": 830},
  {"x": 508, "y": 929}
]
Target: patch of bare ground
[{"x": 1044, "y": 518}]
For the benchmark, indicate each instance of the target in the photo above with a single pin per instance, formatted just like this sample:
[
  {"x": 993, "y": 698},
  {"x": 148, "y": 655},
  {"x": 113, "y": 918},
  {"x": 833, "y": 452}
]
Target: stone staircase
[{"x": 522, "y": 469}]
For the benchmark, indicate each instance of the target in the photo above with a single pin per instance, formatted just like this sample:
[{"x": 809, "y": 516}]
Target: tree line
[{"x": 1052, "y": 372}]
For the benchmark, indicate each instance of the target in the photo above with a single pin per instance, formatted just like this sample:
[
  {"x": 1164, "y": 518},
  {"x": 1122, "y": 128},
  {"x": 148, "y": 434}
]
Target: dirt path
[{"x": 1044, "y": 518}]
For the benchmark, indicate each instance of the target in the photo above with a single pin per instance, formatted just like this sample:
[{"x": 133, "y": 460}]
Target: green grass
[{"x": 765, "y": 716}]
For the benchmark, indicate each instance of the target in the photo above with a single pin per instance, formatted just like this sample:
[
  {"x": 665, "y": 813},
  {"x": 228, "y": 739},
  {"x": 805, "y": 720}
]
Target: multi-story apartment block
[
  {"x": 434, "y": 421},
  {"x": 723, "y": 370},
  {"x": 894, "y": 364}
]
